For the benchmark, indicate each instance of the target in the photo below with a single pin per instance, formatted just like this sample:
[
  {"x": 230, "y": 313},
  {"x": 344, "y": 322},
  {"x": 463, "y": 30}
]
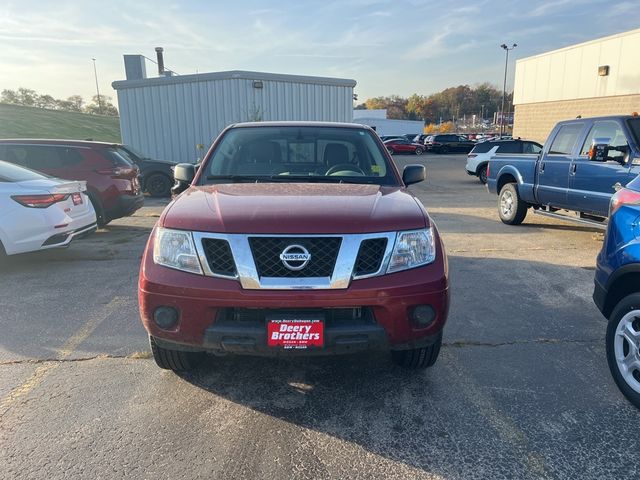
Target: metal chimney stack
[{"x": 159, "y": 51}]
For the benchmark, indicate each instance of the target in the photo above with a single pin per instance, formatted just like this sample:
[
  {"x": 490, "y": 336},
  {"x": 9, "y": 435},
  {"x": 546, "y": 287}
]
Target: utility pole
[
  {"x": 504, "y": 85},
  {"x": 95, "y": 73}
]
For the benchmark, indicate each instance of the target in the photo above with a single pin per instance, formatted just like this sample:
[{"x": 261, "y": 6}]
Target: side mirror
[
  {"x": 413, "y": 174},
  {"x": 183, "y": 174},
  {"x": 599, "y": 149}
]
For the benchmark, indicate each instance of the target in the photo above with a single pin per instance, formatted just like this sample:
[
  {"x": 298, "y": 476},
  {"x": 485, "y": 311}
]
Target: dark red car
[
  {"x": 403, "y": 146},
  {"x": 294, "y": 239},
  {"x": 112, "y": 181}
]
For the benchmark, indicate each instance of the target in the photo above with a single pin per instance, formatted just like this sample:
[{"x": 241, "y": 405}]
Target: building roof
[{"x": 232, "y": 75}]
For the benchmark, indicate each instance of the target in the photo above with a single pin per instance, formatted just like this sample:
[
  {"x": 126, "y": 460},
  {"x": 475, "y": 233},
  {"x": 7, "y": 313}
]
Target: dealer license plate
[{"x": 295, "y": 333}]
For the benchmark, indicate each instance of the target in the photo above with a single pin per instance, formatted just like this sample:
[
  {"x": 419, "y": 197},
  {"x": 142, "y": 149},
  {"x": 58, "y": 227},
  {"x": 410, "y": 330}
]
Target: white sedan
[{"x": 39, "y": 212}]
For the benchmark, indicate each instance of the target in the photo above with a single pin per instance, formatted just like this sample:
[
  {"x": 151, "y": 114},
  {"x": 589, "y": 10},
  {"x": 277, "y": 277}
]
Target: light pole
[
  {"x": 95, "y": 73},
  {"x": 504, "y": 85}
]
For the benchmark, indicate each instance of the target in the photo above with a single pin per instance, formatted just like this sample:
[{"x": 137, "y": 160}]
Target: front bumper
[
  {"x": 200, "y": 300},
  {"x": 599, "y": 296}
]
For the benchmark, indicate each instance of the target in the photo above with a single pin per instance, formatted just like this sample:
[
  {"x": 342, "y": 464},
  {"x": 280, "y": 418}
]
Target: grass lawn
[{"x": 29, "y": 122}]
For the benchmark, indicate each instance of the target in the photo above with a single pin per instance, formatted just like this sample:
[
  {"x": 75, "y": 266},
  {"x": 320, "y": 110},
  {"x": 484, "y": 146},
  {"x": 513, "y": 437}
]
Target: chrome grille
[{"x": 266, "y": 254}]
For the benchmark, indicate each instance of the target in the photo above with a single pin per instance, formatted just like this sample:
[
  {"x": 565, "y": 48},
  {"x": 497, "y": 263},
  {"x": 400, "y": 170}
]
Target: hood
[{"x": 294, "y": 208}]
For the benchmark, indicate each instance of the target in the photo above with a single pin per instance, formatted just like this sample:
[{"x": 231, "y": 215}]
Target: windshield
[
  {"x": 13, "y": 173},
  {"x": 634, "y": 126},
  {"x": 133, "y": 152},
  {"x": 298, "y": 154}
]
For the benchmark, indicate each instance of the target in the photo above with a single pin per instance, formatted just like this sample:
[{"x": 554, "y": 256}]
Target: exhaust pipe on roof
[{"x": 160, "y": 58}]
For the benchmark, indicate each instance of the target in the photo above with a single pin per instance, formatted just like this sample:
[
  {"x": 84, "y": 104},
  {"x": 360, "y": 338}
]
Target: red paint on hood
[{"x": 294, "y": 208}]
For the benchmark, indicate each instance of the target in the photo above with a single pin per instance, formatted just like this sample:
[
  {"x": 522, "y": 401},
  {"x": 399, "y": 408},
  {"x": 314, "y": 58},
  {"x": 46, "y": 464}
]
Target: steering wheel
[{"x": 342, "y": 167}]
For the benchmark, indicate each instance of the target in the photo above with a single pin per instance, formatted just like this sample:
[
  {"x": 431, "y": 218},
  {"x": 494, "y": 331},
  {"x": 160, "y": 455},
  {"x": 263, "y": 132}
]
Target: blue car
[{"x": 617, "y": 289}]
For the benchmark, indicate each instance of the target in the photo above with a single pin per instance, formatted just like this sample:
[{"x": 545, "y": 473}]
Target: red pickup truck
[{"x": 294, "y": 238}]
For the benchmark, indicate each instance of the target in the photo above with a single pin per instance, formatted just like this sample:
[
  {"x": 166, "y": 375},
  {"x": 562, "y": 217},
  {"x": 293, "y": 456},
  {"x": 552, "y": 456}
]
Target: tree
[
  {"x": 26, "y": 97},
  {"x": 430, "y": 129},
  {"x": 45, "y": 101},
  {"x": 9, "y": 96},
  {"x": 101, "y": 105},
  {"x": 77, "y": 102},
  {"x": 447, "y": 127}
]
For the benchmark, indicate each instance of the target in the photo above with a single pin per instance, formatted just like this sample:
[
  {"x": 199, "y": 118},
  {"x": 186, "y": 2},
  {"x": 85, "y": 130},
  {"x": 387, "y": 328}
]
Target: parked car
[
  {"x": 446, "y": 143},
  {"x": 156, "y": 176},
  {"x": 403, "y": 146},
  {"x": 39, "y": 212},
  {"x": 617, "y": 290},
  {"x": 410, "y": 136},
  {"x": 260, "y": 256},
  {"x": 385, "y": 138},
  {"x": 581, "y": 165},
  {"x": 112, "y": 180},
  {"x": 478, "y": 158}
]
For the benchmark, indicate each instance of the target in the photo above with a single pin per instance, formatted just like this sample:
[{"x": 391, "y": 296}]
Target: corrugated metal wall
[{"x": 168, "y": 121}]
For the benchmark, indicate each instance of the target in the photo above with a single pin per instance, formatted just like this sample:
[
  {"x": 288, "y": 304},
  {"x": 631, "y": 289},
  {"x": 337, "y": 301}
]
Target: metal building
[
  {"x": 599, "y": 77},
  {"x": 177, "y": 117}
]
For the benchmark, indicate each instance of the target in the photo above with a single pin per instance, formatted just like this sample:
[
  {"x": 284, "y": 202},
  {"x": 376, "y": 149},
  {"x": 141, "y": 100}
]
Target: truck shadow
[{"x": 419, "y": 418}]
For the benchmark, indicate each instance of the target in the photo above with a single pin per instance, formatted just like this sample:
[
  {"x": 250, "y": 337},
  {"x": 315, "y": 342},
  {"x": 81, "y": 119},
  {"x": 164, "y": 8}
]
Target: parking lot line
[{"x": 64, "y": 352}]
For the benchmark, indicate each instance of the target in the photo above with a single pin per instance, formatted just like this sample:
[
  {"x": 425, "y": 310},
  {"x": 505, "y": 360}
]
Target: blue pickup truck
[{"x": 583, "y": 162}]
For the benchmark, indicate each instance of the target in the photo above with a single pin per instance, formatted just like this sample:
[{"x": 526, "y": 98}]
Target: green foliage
[
  {"x": 449, "y": 104},
  {"x": 30, "y": 122},
  {"x": 30, "y": 98}
]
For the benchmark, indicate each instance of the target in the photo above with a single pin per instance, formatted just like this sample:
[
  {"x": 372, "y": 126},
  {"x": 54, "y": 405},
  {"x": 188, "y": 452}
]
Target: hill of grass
[{"x": 29, "y": 122}]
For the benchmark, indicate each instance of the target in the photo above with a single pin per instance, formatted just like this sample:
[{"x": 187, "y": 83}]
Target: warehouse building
[
  {"x": 600, "y": 77},
  {"x": 176, "y": 117}
]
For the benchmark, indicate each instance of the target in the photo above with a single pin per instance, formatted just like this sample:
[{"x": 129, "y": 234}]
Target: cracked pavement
[{"x": 521, "y": 389}]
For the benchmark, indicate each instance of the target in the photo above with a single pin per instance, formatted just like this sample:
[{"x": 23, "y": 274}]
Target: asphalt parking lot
[{"x": 521, "y": 388}]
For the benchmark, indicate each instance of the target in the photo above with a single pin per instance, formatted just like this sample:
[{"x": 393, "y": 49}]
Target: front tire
[
  {"x": 444, "y": 150},
  {"x": 623, "y": 347},
  {"x": 175, "y": 360},
  {"x": 417, "y": 358},
  {"x": 390, "y": 150},
  {"x": 418, "y": 151},
  {"x": 511, "y": 208}
]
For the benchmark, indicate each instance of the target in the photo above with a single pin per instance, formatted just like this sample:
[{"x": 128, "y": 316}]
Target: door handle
[
  {"x": 573, "y": 169},
  {"x": 542, "y": 167}
]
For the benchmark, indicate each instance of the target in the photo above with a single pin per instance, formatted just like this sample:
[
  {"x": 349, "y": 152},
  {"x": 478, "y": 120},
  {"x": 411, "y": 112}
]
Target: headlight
[
  {"x": 175, "y": 249},
  {"x": 412, "y": 249}
]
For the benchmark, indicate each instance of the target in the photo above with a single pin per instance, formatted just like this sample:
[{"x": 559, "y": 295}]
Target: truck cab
[{"x": 583, "y": 162}]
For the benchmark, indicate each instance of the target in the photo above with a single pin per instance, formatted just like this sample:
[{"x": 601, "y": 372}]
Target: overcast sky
[{"x": 388, "y": 46}]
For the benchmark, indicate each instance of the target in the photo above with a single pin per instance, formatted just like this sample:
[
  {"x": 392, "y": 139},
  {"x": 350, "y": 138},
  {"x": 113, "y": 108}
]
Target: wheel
[
  {"x": 344, "y": 167},
  {"x": 418, "y": 151},
  {"x": 444, "y": 150},
  {"x": 415, "y": 358},
  {"x": 175, "y": 360},
  {"x": 482, "y": 174},
  {"x": 623, "y": 347},
  {"x": 101, "y": 218},
  {"x": 390, "y": 150},
  {"x": 158, "y": 185},
  {"x": 511, "y": 208}
]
